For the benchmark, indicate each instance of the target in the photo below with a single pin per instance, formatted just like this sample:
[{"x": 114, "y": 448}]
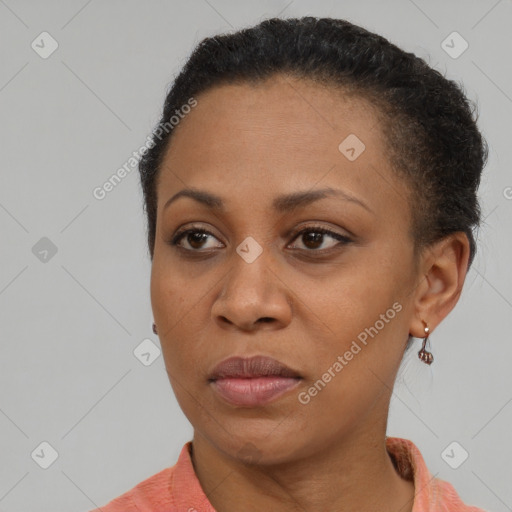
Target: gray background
[{"x": 71, "y": 321}]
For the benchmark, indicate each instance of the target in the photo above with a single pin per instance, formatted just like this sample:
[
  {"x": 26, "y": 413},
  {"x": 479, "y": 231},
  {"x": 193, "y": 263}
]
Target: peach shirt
[{"x": 177, "y": 489}]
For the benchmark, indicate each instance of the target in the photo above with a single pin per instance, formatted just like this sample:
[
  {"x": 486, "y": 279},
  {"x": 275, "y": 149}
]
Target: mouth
[{"x": 253, "y": 381}]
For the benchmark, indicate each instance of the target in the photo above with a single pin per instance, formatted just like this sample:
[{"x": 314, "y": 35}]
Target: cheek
[
  {"x": 361, "y": 323},
  {"x": 174, "y": 320},
  {"x": 351, "y": 301},
  {"x": 350, "y": 377},
  {"x": 168, "y": 291}
]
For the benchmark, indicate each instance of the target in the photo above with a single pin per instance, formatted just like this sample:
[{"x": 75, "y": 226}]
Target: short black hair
[{"x": 427, "y": 121}]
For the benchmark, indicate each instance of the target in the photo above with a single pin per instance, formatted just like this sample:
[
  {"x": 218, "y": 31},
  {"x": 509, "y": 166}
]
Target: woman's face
[{"x": 334, "y": 307}]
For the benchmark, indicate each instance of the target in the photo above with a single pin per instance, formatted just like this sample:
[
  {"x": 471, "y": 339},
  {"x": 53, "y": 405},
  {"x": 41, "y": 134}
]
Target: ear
[{"x": 443, "y": 269}]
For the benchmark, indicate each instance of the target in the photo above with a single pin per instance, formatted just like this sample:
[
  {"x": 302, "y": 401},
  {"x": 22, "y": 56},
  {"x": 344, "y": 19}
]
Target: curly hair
[{"x": 427, "y": 122}]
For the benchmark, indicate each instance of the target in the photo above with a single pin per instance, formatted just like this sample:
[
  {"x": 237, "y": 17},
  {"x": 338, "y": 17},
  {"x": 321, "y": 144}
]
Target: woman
[{"x": 311, "y": 197}]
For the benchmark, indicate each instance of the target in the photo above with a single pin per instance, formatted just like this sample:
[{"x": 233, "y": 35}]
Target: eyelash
[{"x": 344, "y": 240}]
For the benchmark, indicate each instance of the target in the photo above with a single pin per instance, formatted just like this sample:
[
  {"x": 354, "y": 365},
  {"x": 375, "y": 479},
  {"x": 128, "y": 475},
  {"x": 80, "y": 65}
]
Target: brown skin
[{"x": 249, "y": 144}]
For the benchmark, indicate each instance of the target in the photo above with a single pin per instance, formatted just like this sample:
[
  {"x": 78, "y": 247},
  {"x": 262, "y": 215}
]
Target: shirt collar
[{"x": 188, "y": 495}]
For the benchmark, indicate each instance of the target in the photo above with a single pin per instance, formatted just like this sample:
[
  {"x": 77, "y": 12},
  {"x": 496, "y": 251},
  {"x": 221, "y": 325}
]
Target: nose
[{"x": 253, "y": 296}]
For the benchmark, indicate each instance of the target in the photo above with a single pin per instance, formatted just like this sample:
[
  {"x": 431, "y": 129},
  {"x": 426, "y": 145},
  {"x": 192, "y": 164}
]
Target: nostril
[{"x": 265, "y": 319}]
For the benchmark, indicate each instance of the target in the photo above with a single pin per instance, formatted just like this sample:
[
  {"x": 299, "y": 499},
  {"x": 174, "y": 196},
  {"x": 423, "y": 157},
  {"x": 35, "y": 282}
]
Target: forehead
[
  {"x": 283, "y": 107},
  {"x": 282, "y": 134}
]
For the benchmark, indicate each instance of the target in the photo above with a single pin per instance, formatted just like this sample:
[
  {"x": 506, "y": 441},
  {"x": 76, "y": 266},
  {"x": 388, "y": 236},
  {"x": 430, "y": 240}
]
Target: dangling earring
[
  {"x": 154, "y": 328},
  {"x": 423, "y": 354}
]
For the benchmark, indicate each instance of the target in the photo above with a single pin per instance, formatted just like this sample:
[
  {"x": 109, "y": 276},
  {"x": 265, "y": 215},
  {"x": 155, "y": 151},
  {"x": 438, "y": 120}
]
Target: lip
[{"x": 252, "y": 381}]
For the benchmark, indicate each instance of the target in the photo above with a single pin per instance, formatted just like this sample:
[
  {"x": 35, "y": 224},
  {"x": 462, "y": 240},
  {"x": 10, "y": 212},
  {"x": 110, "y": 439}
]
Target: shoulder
[
  {"x": 431, "y": 494},
  {"x": 145, "y": 496},
  {"x": 173, "y": 488},
  {"x": 446, "y": 498}
]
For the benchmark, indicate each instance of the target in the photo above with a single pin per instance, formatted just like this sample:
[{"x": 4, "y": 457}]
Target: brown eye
[
  {"x": 314, "y": 237},
  {"x": 195, "y": 238}
]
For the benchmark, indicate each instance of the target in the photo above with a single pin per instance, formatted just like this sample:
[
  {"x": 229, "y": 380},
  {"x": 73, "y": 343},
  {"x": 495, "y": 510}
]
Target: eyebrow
[{"x": 282, "y": 204}]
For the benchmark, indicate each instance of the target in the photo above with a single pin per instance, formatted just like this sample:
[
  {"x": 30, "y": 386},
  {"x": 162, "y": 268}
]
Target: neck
[{"x": 355, "y": 473}]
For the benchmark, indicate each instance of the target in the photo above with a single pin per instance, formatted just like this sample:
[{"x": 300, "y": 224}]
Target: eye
[
  {"x": 313, "y": 238},
  {"x": 195, "y": 238}
]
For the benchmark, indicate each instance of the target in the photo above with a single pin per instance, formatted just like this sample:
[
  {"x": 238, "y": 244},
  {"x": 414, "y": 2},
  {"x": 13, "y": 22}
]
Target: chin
[{"x": 260, "y": 446}]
